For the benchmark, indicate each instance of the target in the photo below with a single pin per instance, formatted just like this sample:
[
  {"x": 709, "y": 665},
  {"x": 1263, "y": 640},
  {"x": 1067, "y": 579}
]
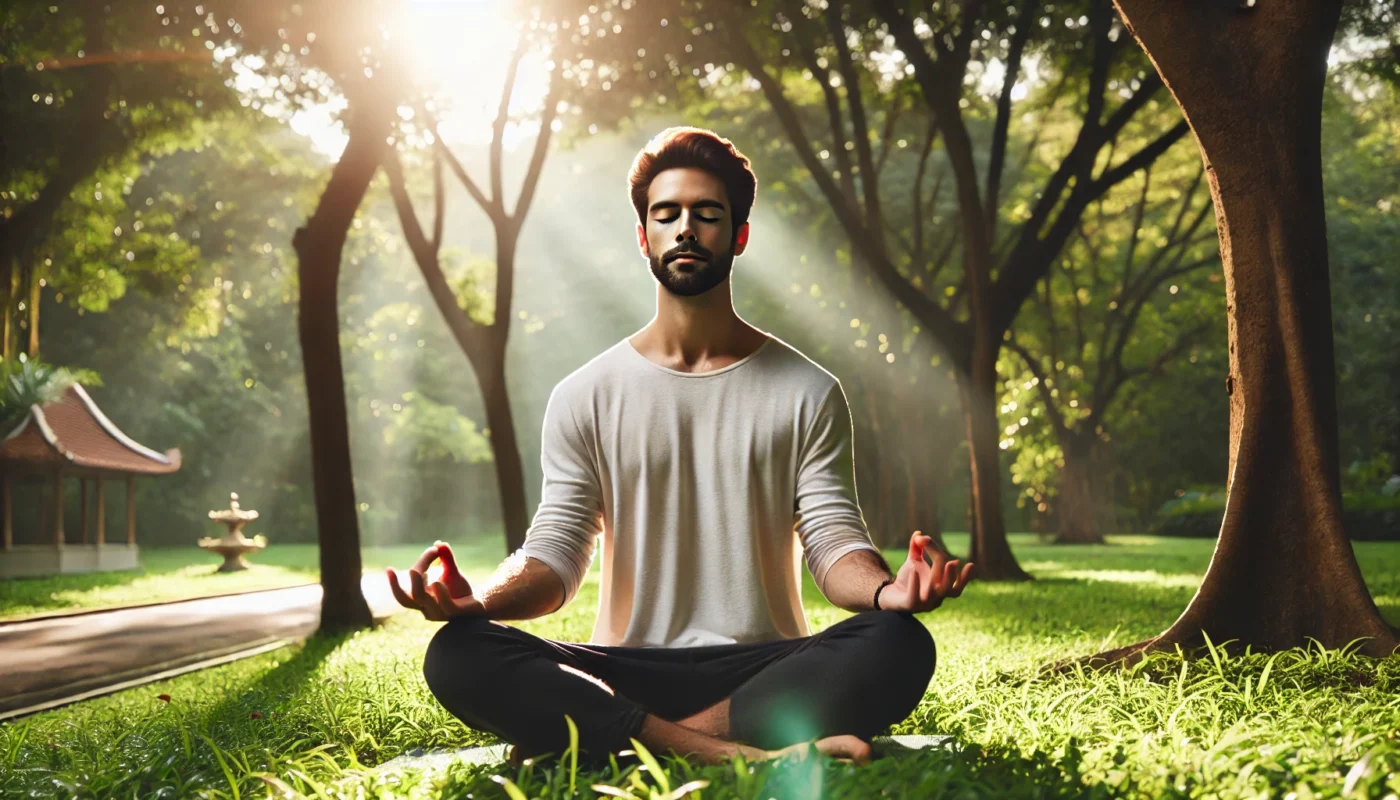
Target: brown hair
[{"x": 684, "y": 146}]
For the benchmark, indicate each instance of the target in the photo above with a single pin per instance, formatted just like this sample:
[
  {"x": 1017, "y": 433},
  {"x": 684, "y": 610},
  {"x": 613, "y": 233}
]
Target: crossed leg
[{"x": 854, "y": 678}]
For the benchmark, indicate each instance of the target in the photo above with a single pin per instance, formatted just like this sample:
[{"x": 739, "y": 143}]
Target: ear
[
  {"x": 741, "y": 241},
  {"x": 642, "y": 241}
]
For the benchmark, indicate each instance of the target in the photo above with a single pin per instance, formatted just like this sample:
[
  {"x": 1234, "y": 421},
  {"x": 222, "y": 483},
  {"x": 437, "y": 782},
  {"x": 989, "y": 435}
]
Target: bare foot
[{"x": 842, "y": 748}]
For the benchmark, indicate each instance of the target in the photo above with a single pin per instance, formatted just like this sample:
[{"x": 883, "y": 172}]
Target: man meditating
[{"x": 703, "y": 451}]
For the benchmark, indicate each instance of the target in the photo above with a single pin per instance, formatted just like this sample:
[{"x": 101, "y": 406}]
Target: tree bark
[
  {"x": 318, "y": 246},
  {"x": 1250, "y": 82},
  {"x": 1105, "y": 490},
  {"x": 1078, "y": 496},
  {"x": 35, "y": 293},
  {"x": 7, "y": 285},
  {"x": 505, "y": 449},
  {"x": 977, "y": 392}
]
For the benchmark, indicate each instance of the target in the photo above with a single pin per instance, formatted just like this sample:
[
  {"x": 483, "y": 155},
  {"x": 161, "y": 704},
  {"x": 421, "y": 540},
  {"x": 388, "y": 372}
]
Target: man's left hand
[{"x": 921, "y": 586}]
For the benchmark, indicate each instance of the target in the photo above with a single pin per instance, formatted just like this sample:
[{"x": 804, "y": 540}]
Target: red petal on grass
[
  {"x": 163, "y": 697},
  {"x": 255, "y": 715}
]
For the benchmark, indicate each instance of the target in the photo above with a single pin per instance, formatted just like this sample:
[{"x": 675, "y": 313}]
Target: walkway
[{"x": 53, "y": 661}]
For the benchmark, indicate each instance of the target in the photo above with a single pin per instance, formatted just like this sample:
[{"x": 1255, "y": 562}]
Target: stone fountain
[{"x": 234, "y": 545}]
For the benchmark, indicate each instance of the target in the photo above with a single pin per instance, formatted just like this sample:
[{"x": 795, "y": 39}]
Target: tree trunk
[
  {"x": 510, "y": 470},
  {"x": 921, "y": 490},
  {"x": 977, "y": 392},
  {"x": 1078, "y": 501},
  {"x": 8, "y": 324},
  {"x": 318, "y": 246},
  {"x": 1250, "y": 81},
  {"x": 1105, "y": 490},
  {"x": 881, "y": 520},
  {"x": 35, "y": 291}
]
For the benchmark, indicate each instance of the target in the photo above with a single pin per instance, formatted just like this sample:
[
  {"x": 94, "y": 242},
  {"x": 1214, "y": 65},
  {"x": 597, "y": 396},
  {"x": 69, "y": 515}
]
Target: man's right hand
[{"x": 449, "y": 596}]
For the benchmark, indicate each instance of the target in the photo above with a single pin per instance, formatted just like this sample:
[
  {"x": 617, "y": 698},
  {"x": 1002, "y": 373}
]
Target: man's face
[{"x": 689, "y": 235}]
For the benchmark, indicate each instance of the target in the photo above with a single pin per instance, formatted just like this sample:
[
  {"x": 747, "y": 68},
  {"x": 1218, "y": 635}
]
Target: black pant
[{"x": 856, "y": 677}]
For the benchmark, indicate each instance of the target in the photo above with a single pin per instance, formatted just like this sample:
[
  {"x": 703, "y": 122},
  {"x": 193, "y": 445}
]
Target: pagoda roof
[{"x": 72, "y": 432}]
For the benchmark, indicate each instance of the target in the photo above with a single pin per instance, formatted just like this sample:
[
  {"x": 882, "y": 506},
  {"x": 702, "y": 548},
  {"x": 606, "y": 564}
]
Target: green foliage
[
  {"x": 91, "y": 92},
  {"x": 1319, "y": 723},
  {"x": 1367, "y": 514},
  {"x": 1195, "y": 501},
  {"x": 26, "y": 382}
]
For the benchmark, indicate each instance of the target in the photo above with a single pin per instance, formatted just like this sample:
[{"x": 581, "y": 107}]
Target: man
[{"x": 702, "y": 450}]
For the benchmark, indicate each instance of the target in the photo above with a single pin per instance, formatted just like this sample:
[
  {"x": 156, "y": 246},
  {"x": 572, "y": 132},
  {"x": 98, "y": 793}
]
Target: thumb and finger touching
[{"x": 456, "y": 582}]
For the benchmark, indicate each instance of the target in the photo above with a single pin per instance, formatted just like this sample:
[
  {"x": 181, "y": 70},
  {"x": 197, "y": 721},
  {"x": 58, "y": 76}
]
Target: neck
[{"x": 696, "y": 329}]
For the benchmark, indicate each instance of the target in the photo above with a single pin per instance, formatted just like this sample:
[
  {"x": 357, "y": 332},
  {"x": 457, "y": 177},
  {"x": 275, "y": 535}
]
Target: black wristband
[{"x": 887, "y": 582}]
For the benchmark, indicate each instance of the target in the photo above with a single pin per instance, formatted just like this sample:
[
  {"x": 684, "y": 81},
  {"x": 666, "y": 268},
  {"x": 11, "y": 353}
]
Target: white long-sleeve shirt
[{"x": 702, "y": 486}]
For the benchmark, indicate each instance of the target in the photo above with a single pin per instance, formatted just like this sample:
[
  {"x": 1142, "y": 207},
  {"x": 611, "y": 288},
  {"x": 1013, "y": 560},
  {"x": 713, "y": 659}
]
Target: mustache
[{"x": 686, "y": 249}]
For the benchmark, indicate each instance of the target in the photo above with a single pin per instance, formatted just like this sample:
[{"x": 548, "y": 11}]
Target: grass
[
  {"x": 183, "y": 573},
  {"x": 315, "y": 719}
]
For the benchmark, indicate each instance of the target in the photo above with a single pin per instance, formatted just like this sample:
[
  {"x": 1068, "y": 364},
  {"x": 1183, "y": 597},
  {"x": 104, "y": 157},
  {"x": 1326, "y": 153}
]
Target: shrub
[{"x": 1366, "y": 516}]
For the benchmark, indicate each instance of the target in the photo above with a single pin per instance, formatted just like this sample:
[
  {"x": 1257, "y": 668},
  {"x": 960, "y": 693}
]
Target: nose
[{"x": 687, "y": 230}]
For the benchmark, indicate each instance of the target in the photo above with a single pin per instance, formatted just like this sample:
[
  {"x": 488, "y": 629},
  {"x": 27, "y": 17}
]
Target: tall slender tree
[{"x": 484, "y": 342}]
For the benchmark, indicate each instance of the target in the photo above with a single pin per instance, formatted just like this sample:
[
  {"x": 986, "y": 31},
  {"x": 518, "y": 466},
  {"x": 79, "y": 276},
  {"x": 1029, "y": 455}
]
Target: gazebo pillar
[
  {"x": 83, "y": 510},
  {"x": 9, "y": 537},
  {"x": 130, "y": 510},
  {"x": 58, "y": 509},
  {"x": 101, "y": 514}
]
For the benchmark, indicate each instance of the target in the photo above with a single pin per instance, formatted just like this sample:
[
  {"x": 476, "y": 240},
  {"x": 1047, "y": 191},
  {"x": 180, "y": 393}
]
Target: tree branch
[
  {"x": 498, "y": 127},
  {"x": 532, "y": 174},
  {"x": 493, "y": 209},
  {"x": 860, "y": 129},
  {"x": 463, "y": 327},
  {"x": 1032, "y": 363},
  {"x": 941, "y": 325},
  {"x": 1003, "y": 120},
  {"x": 822, "y": 75},
  {"x": 439, "y": 203}
]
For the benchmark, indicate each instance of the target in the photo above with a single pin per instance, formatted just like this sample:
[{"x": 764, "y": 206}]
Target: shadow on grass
[{"x": 276, "y": 691}]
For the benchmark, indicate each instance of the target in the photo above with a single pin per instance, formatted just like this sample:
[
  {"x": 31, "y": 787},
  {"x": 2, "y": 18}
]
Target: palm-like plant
[{"x": 26, "y": 382}]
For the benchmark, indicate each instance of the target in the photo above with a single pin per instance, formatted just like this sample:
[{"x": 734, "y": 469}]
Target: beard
[{"x": 693, "y": 279}]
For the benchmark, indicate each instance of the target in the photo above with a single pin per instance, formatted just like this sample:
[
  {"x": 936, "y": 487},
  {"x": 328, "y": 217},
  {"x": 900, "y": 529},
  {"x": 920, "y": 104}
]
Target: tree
[
  {"x": 89, "y": 89},
  {"x": 1250, "y": 81},
  {"x": 1104, "y": 323},
  {"x": 484, "y": 341},
  {"x": 345, "y": 39}
]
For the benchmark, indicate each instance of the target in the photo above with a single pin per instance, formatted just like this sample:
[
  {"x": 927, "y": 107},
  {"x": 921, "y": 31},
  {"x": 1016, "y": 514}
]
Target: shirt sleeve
[
  {"x": 829, "y": 522},
  {"x": 570, "y": 515}
]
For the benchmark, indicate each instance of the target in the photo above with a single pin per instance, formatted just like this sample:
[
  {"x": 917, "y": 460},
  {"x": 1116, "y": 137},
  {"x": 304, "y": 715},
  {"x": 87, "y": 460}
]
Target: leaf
[
  {"x": 573, "y": 751},
  {"x": 1359, "y": 770},
  {"x": 652, "y": 766},
  {"x": 611, "y": 791},
  {"x": 687, "y": 788},
  {"x": 509, "y": 785}
]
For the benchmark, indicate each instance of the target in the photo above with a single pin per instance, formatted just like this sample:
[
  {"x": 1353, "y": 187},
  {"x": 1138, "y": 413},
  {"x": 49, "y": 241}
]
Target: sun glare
[{"x": 458, "y": 51}]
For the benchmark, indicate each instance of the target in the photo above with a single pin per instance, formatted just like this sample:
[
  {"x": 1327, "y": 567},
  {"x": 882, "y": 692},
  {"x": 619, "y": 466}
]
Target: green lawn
[
  {"x": 181, "y": 573},
  {"x": 315, "y": 719}
]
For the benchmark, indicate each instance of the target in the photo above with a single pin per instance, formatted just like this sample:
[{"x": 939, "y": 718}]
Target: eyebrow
[{"x": 666, "y": 205}]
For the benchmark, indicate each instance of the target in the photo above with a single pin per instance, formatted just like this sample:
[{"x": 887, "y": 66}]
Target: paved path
[{"x": 53, "y": 660}]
